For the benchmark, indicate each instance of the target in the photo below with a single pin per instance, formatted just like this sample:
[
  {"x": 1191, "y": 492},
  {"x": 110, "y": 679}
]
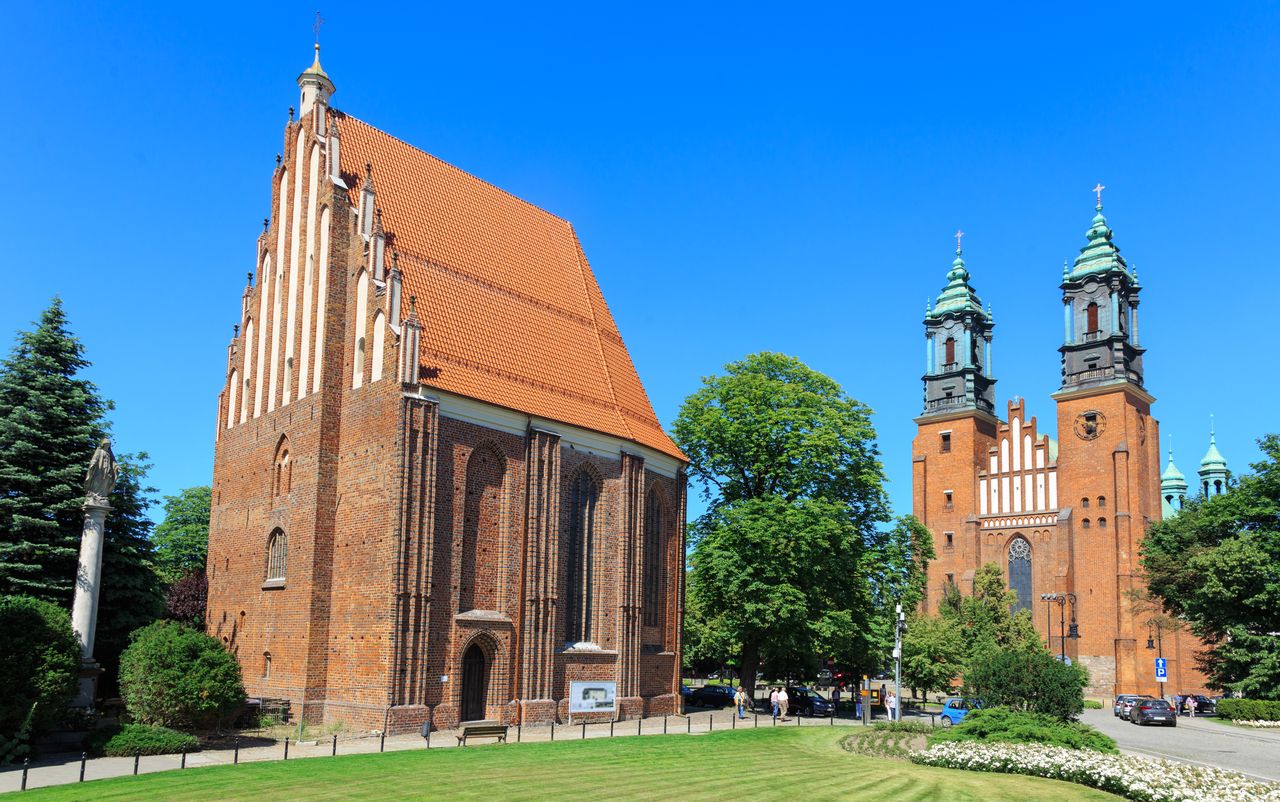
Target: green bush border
[
  {"x": 128, "y": 740},
  {"x": 1249, "y": 709}
]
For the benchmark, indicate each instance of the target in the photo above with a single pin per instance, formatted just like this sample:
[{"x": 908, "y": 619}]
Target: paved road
[{"x": 1201, "y": 741}]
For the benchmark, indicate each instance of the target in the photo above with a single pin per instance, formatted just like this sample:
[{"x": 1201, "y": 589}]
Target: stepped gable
[{"x": 511, "y": 311}]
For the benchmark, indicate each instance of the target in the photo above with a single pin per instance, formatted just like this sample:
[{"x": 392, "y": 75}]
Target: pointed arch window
[
  {"x": 654, "y": 548},
  {"x": 276, "y": 549},
  {"x": 282, "y": 470},
  {"x": 1020, "y": 572},
  {"x": 580, "y": 556},
  {"x": 233, "y": 391}
]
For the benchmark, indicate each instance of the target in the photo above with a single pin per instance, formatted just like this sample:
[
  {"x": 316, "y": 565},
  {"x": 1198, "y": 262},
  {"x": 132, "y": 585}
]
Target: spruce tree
[{"x": 50, "y": 422}]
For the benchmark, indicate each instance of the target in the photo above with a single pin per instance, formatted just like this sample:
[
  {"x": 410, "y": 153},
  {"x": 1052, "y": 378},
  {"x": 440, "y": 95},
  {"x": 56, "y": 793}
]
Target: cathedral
[
  {"x": 1062, "y": 518},
  {"x": 440, "y": 492}
]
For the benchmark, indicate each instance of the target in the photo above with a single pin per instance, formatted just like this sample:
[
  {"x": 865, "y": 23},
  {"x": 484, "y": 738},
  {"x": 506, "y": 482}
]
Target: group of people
[{"x": 779, "y": 701}]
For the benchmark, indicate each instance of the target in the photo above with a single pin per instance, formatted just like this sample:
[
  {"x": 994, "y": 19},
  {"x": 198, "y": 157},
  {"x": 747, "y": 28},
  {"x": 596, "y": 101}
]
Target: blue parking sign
[{"x": 1161, "y": 668}]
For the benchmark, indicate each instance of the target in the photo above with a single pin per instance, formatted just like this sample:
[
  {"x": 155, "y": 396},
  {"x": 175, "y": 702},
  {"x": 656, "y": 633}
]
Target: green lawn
[{"x": 791, "y": 764}]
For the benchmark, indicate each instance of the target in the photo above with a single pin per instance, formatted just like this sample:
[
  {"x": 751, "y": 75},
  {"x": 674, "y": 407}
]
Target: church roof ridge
[{"x": 514, "y": 315}]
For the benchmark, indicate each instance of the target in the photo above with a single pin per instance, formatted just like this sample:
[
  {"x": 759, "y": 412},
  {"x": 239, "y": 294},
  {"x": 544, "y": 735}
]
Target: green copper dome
[
  {"x": 957, "y": 297},
  {"x": 1213, "y": 457},
  {"x": 1171, "y": 475},
  {"x": 1100, "y": 255}
]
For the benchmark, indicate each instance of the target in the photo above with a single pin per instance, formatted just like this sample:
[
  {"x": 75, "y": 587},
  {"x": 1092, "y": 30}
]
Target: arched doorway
[{"x": 475, "y": 683}]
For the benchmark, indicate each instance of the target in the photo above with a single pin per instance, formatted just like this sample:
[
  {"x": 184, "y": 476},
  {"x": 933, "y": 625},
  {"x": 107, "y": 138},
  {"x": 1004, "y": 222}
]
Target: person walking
[
  {"x": 1191, "y": 706},
  {"x": 783, "y": 700},
  {"x": 892, "y": 704},
  {"x": 773, "y": 701},
  {"x": 740, "y": 699},
  {"x": 857, "y": 705}
]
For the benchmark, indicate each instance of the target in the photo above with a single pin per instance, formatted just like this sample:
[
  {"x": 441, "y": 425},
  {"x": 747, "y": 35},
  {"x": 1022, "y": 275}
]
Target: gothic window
[
  {"x": 950, "y": 350},
  {"x": 282, "y": 470},
  {"x": 266, "y": 665},
  {"x": 1091, "y": 317},
  {"x": 654, "y": 548},
  {"x": 1020, "y": 572},
  {"x": 580, "y": 556},
  {"x": 362, "y": 321},
  {"x": 481, "y": 531},
  {"x": 276, "y": 544}
]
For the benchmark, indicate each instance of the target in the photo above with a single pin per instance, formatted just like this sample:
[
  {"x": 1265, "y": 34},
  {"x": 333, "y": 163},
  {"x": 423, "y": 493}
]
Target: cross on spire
[
  {"x": 1098, "y": 189},
  {"x": 316, "y": 27},
  {"x": 959, "y": 236}
]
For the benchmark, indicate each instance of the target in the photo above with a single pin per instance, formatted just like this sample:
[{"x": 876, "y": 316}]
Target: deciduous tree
[{"x": 182, "y": 538}]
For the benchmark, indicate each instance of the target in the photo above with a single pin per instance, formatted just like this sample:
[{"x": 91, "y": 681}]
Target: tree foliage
[
  {"x": 1030, "y": 680},
  {"x": 188, "y": 599},
  {"x": 173, "y": 676},
  {"x": 985, "y": 618},
  {"x": 39, "y": 662},
  {"x": 182, "y": 539},
  {"x": 933, "y": 653},
  {"x": 51, "y": 420},
  {"x": 781, "y": 560},
  {"x": 1214, "y": 565}
]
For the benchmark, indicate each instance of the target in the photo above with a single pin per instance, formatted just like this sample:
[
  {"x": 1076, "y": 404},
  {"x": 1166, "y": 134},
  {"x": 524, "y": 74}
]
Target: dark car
[
  {"x": 1127, "y": 705},
  {"x": 685, "y": 692},
  {"x": 1153, "y": 711},
  {"x": 717, "y": 696},
  {"x": 807, "y": 702}
]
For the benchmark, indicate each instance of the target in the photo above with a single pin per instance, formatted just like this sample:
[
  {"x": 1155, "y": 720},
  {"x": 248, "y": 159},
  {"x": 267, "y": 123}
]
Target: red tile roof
[{"x": 511, "y": 311}]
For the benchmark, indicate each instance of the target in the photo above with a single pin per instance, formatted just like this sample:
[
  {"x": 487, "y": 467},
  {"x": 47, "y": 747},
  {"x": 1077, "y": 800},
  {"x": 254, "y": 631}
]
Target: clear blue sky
[{"x": 742, "y": 178}]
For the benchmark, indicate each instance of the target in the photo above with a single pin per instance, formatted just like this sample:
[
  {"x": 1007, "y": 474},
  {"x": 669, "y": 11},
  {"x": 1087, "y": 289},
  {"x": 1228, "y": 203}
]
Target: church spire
[
  {"x": 958, "y": 346},
  {"x": 1173, "y": 487},
  {"x": 1100, "y": 306},
  {"x": 1213, "y": 468}
]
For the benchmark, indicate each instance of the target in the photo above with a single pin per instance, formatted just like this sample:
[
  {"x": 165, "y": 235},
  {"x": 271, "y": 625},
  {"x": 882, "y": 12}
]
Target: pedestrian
[
  {"x": 892, "y": 706},
  {"x": 1191, "y": 706},
  {"x": 783, "y": 699},
  {"x": 857, "y": 704},
  {"x": 740, "y": 699},
  {"x": 773, "y": 701},
  {"x": 835, "y": 701}
]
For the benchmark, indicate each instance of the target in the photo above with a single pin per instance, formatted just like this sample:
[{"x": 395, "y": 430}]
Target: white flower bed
[
  {"x": 1131, "y": 777},
  {"x": 1258, "y": 723}
]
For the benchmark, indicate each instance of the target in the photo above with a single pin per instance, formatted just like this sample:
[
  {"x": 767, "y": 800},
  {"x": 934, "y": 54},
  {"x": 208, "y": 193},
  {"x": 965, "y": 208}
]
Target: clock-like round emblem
[{"x": 1090, "y": 424}]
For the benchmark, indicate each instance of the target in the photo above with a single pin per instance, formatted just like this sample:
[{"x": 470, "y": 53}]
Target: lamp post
[{"x": 1048, "y": 598}]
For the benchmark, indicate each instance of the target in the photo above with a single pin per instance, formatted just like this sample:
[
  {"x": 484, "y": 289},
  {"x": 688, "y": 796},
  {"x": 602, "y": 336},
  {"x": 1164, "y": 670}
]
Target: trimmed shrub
[
  {"x": 173, "y": 676},
  {"x": 130, "y": 739},
  {"x": 1249, "y": 709},
  {"x": 39, "y": 661},
  {"x": 1030, "y": 680},
  {"x": 1092, "y": 704},
  {"x": 1002, "y": 725}
]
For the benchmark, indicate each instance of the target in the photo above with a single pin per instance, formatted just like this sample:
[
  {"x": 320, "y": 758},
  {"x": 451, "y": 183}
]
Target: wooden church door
[{"x": 475, "y": 683}]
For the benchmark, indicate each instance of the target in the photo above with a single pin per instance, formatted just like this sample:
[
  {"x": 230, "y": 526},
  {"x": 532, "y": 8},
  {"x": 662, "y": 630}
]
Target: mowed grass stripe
[{"x": 774, "y": 764}]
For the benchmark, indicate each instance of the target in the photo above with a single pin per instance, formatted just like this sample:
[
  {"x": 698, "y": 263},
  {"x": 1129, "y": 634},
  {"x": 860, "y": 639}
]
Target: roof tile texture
[{"x": 511, "y": 312}]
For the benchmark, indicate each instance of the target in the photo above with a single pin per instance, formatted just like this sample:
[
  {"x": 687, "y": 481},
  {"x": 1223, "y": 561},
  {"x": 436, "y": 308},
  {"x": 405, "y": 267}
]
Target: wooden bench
[{"x": 498, "y": 731}]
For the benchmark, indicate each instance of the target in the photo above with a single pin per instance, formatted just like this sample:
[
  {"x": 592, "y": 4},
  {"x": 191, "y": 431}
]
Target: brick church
[
  {"x": 1059, "y": 517},
  {"x": 440, "y": 492}
]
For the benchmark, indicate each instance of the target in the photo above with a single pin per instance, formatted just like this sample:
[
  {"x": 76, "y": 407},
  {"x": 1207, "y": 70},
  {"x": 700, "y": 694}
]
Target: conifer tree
[{"x": 50, "y": 422}]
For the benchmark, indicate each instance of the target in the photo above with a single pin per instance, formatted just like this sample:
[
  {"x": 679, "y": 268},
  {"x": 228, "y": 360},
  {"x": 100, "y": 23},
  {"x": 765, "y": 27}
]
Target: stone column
[{"x": 84, "y": 610}]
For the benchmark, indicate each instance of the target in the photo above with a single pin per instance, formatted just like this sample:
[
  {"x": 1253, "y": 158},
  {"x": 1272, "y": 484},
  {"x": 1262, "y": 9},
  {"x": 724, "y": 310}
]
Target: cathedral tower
[
  {"x": 1109, "y": 455},
  {"x": 957, "y": 428}
]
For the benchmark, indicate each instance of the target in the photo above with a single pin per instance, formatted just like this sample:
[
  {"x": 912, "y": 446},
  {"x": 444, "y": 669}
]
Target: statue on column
[{"x": 99, "y": 481}]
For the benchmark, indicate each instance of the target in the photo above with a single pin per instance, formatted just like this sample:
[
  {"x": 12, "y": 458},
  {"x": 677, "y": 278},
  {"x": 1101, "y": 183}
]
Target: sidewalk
[{"x": 65, "y": 768}]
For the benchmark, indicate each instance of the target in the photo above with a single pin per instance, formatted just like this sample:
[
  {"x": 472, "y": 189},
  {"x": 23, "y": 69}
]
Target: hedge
[
  {"x": 174, "y": 676},
  {"x": 1249, "y": 709},
  {"x": 1002, "y": 725},
  {"x": 139, "y": 739},
  {"x": 39, "y": 663}
]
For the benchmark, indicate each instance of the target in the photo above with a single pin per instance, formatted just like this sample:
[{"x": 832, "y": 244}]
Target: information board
[{"x": 592, "y": 697}]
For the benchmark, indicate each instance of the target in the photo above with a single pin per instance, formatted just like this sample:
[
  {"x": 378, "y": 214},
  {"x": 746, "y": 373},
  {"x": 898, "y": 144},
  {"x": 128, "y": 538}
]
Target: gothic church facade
[
  {"x": 440, "y": 490},
  {"x": 1059, "y": 517}
]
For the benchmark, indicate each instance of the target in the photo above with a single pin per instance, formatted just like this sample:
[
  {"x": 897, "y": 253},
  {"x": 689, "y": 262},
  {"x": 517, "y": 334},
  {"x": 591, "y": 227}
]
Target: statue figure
[{"x": 100, "y": 479}]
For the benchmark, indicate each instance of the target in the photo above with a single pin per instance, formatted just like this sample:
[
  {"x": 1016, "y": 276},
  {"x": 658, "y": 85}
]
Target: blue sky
[{"x": 742, "y": 178}]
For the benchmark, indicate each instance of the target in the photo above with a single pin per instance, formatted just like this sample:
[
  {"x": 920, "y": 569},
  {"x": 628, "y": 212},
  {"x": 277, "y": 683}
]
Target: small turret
[
  {"x": 1213, "y": 468},
  {"x": 315, "y": 84},
  {"x": 1173, "y": 488}
]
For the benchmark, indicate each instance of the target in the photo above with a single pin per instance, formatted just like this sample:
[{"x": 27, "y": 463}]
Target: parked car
[
  {"x": 1126, "y": 707},
  {"x": 807, "y": 702},
  {"x": 955, "y": 708},
  {"x": 1204, "y": 705},
  {"x": 1153, "y": 711},
  {"x": 1125, "y": 697},
  {"x": 717, "y": 696},
  {"x": 685, "y": 692}
]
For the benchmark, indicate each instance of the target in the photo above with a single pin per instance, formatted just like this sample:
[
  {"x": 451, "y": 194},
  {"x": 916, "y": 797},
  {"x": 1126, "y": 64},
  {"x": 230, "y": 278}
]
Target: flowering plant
[
  {"x": 1131, "y": 777},
  {"x": 1267, "y": 724}
]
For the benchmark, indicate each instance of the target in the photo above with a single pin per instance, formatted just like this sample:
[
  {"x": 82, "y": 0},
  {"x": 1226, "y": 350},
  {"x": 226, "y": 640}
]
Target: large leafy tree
[
  {"x": 1214, "y": 565},
  {"x": 51, "y": 419},
  {"x": 985, "y": 618},
  {"x": 790, "y": 467},
  {"x": 932, "y": 653},
  {"x": 182, "y": 538}
]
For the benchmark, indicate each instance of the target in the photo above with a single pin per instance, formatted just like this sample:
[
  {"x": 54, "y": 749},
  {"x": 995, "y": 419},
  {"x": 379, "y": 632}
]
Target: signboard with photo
[{"x": 592, "y": 697}]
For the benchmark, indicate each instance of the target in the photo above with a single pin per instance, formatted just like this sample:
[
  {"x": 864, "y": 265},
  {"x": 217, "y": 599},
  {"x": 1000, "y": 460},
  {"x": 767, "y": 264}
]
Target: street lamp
[
  {"x": 1048, "y": 598},
  {"x": 1060, "y": 599}
]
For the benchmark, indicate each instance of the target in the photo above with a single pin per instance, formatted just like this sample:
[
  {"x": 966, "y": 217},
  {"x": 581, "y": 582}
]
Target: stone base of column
[{"x": 88, "y": 693}]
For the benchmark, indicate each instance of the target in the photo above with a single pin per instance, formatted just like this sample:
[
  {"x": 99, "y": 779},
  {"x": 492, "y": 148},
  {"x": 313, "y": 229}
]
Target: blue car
[{"x": 955, "y": 708}]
